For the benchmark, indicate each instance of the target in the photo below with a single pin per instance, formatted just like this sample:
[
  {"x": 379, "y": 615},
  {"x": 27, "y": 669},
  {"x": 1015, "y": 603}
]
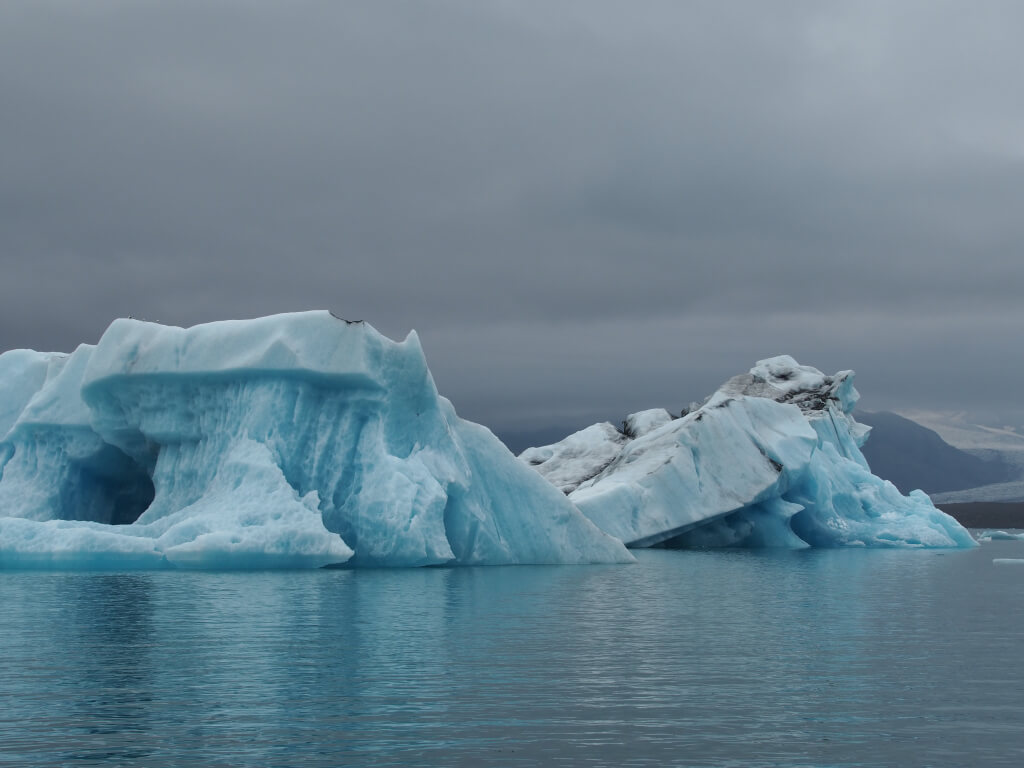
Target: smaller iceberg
[{"x": 772, "y": 459}]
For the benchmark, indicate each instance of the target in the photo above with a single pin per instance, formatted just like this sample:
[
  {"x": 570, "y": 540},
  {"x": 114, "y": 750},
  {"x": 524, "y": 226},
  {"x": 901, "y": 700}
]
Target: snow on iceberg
[
  {"x": 772, "y": 459},
  {"x": 297, "y": 440}
]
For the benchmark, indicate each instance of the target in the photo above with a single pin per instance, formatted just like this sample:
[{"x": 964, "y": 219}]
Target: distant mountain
[
  {"x": 986, "y": 514},
  {"x": 962, "y": 430},
  {"x": 911, "y": 456}
]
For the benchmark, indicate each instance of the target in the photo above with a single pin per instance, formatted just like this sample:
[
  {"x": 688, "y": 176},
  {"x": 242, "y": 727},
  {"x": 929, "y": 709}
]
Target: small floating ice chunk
[{"x": 999, "y": 536}]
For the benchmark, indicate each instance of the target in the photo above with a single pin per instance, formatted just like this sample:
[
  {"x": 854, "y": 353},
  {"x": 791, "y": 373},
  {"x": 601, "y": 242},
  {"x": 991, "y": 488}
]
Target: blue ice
[{"x": 298, "y": 440}]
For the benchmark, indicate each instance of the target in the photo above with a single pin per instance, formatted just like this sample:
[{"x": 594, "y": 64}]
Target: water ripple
[{"x": 686, "y": 658}]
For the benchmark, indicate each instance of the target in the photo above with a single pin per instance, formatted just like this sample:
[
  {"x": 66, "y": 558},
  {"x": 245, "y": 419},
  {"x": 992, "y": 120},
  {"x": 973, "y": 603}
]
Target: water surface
[{"x": 819, "y": 658}]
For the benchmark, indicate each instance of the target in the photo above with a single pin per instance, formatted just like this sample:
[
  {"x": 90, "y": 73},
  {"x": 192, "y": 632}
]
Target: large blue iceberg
[
  {"x": 298, "y": 440},
  {"x": 772, "y": 459}
]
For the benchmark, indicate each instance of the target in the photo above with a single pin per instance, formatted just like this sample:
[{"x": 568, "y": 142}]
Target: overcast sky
[{"x": 585, "y": 208}]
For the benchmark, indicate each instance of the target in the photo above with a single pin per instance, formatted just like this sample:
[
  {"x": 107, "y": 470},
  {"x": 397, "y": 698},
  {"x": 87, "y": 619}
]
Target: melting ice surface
[
  {"x": 298, "y": 440},
  {"x": 772, "y": 459}
]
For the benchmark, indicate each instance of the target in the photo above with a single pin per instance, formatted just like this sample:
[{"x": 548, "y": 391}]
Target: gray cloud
[{"x": 583, "y": 207}]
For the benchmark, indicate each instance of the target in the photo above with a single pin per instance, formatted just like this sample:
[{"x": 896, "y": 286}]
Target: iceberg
[
  {"x": 771, "y": 459},
  {"x": 297, "y": 440}
]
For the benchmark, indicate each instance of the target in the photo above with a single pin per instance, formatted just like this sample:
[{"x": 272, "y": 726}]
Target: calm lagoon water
[{"x": 729, "y": 658}]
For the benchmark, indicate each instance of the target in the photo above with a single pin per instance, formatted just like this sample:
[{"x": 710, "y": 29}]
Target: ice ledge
[{"x": 307, "y": 342}]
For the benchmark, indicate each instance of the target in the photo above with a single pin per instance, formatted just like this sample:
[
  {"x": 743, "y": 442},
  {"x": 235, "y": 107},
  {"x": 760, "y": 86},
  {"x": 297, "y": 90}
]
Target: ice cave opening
[{"x": 107, "y": 487}]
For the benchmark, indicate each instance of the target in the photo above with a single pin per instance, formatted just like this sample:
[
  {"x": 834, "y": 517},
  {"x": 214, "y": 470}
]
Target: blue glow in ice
[{"x": 297, "y": 440}]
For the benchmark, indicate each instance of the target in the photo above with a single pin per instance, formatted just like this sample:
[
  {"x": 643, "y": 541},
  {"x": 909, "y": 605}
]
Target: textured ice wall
[
  {"x": 771, "y": 459},
  {"x": 290, "y": 441}
]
